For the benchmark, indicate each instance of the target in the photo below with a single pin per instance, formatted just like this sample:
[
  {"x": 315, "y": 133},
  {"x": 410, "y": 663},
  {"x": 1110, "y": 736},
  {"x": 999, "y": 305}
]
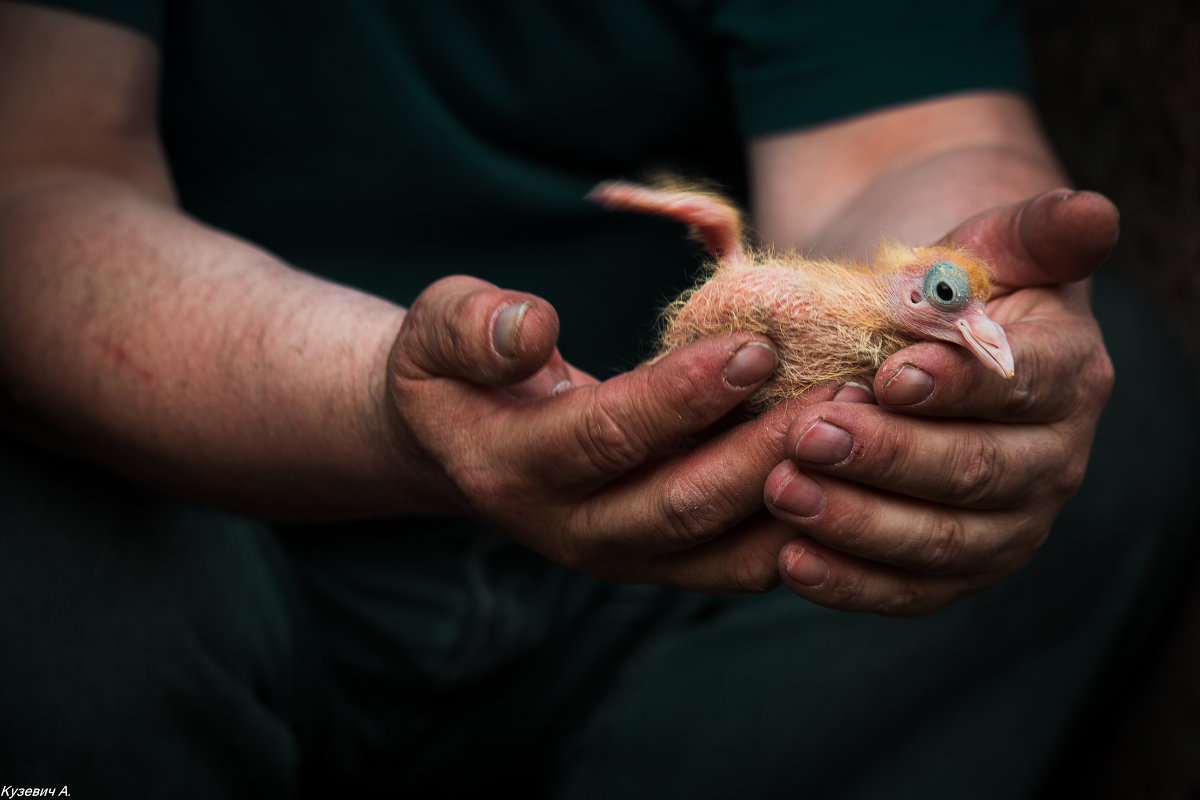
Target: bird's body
[
  {"x": 828, "y": 320},
  {"x": 821, "y": 316}
]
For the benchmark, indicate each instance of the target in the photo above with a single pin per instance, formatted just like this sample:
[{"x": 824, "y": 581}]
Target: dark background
[{"x": 1119, "y": 90}]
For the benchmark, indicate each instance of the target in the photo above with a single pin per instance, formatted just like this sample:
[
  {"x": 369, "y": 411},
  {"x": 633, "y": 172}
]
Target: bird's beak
[{"x": 987, "y": 341}]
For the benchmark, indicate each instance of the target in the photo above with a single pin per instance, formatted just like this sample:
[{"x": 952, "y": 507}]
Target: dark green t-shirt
[{"x": 386, "y": 144}]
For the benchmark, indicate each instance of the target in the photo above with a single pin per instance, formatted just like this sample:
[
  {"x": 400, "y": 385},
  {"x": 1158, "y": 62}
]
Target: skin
[
  {"x": 918, "y": 510},
  {"x": 953, "y": 481},
  {"x": 141, "y": 339}
]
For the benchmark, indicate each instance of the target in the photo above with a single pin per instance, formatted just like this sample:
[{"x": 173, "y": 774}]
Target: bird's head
[{"x": 940, "y": 293}]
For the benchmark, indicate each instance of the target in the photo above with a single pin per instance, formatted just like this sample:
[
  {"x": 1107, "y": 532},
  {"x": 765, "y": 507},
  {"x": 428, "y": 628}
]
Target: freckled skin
[{"x": 828, "y": 320}]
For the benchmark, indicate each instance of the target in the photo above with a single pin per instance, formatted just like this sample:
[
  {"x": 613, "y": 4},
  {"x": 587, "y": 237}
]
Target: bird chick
[{"x": 828, "y": 320}]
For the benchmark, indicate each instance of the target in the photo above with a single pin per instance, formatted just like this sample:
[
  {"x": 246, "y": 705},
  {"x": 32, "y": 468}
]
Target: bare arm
[
  {"x": 152, "y": 344},
  {"x": 900, "y": 511},
  {"x": 140, "y": 337},
  {"x": 910, "y": 173}
]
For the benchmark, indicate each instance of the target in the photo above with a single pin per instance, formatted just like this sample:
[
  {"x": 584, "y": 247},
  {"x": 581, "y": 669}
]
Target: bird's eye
[{"x": 946, "y": 286}]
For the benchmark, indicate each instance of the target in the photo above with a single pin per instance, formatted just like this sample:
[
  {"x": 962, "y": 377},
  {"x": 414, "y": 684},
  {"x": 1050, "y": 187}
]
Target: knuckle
[
  {"x": 974, "y": 467},
  {"x": 1064, "y": 467},
  {"x": 1048, "y": 382},
  {"x": 1069, "y": 477},
  {"x": 1024, "y": 551},
  {"x": 1021, "y": 397},
  {"x": 754, "y": 574},
  {"x": 906, "y": 600},
  {"x": 1101, "y": 376},
  {"x": 435, "y": 337},
  {"x": 692, "y": 512},
  {"x": 942, "y": 545},
  {"x": 607, "y": 444},
  {"x": 446, "y": 297},
  {"x": 846, "y": 593},
  {"x": 891, "y": 446},
  {"x": 1107, "y": 372},
  {"x": 1019, "y": 554},
  {"x": 1028, "y": 531}
]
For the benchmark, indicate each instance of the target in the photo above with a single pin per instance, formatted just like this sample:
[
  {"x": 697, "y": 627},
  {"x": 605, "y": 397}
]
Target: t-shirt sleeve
[
  {"x": 145, "y": 16},
  {"x": 794, "y": 64}
]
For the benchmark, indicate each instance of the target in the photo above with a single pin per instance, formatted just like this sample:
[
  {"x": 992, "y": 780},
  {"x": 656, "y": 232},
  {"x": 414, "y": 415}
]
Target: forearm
[
  {"x": 900, "y": 518},
  {"x": 889, "y": 177},
  {"x": 138, "y": 338},
  {"x": 920, "y": 202}
]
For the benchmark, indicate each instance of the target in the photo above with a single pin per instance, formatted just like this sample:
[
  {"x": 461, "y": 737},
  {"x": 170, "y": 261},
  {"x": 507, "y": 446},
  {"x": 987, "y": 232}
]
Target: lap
[
  {"x": 478, "y": 654},
  {"x": 148, "y": 638},
  {"x": 149, "y": 646},
  {"x": 974, "y": 700}
]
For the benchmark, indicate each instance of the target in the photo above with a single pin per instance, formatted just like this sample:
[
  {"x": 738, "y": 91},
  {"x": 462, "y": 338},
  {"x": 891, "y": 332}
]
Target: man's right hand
[{"x": 495, "y": 424}]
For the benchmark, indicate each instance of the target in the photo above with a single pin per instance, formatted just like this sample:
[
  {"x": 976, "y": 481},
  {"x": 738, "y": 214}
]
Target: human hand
[
  {"x": 954, "y": 480},
  {"x": 589, "y": 474}
]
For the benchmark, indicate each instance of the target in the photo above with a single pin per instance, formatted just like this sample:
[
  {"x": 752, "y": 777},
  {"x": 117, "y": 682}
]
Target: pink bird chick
[{"x": 828, "y": 320}]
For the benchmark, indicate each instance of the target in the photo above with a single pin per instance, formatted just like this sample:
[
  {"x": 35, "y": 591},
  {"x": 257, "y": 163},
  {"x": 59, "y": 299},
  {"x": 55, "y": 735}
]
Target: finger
[
  {"x": 966, "y": 464},
  {"x": 886, "y": 528},
  {"x": 693, "y": 496},
  {"x": 605, "y": 430},
  {"x": 694, "y": 520},
  {"x": 851, "y": 391},
  {"x": 1061, "y": 367},
  {"x": 1058, "y": 236},
  {"x": 743, "y": 560},
  {"x": 555, "y": 377},
  {"x": 844, "y": 582},
  {"x": 465, "y": 328}
]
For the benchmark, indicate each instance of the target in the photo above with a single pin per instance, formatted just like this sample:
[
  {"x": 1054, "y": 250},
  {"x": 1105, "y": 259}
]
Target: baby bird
[{"x": 828, "y": 320}]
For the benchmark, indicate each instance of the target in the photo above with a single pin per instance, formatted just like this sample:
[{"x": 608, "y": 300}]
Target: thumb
[
  {"x": 465, "y": 328},
  {"x": 1058, "y": 236}
]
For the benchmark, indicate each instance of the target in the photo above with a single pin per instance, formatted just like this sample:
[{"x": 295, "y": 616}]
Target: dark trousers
[{"x": 153, "y": 649}]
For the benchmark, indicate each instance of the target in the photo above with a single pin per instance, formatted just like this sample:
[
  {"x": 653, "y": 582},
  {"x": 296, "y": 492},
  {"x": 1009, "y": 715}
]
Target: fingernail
[
  {"x": 823, "y": 443},
  {"x": 751, "y": 363},
  {"x": 801, "y": 496},
  {"x": 808, "y": 569},
  {"x": 908, "y": 387},
  {"x": 854, "y": 392},
  {"x": 508, "y": 329},
  {"x": 1059, "y": 195},
  {"x": 561, "y": 386}
]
